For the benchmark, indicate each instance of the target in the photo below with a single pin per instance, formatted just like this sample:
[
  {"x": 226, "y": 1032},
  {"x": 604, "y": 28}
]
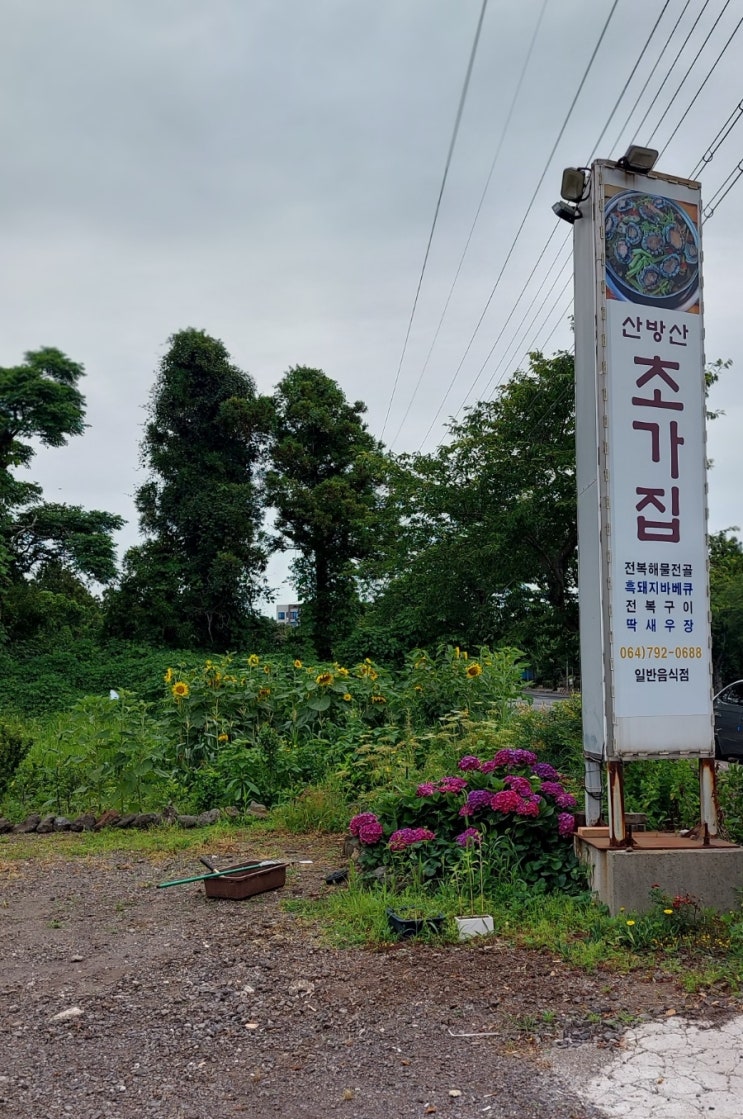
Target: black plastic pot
[{"x": 406, "y": 925}]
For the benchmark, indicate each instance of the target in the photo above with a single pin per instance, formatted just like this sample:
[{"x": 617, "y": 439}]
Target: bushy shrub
[
  {"x": 511, "y": 796},
  {"x": 14, "y": 745}
]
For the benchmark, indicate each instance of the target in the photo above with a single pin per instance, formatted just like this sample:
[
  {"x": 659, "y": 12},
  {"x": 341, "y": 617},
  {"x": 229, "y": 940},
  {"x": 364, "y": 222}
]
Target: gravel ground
[{"x": 118, "y": 1000}]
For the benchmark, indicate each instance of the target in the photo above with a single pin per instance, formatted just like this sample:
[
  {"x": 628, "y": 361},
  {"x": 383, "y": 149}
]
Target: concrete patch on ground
[{"x": 675, "y": 1069}]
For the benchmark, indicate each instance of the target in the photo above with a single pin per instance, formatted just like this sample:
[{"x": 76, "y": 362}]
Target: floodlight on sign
[
  {"x": 641, "y": 160},
  {"x": 566, "y": 211},
  {"x": 573, "y": 188}
]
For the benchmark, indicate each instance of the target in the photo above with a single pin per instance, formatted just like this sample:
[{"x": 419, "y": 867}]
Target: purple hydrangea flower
[
  {"x": 478, "y": 798},
  {"x": 469, "y": 837},
  {"x": 469, "y": 761},
  {"x": 427, "y": 789},
  {"x": 545, "y": 771},
  {"x": 565, "y": 823},
  {"x": 552, "y": 788},
  {"x": 565, "y": 800},
  {"x": 406, "y": 837},
  {"x": 358, "y": 822},
  {"x": 452, "y": 784}
]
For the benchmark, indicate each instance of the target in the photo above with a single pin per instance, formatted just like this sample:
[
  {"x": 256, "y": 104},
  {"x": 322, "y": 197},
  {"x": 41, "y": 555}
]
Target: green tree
[
  {"x": 324, "y": 482},
  {"x": 487, "y": 552},
  {"x": 195, "y": 579},
  {"x": 726, "y": 598},
  {"x": 40, "y": 402}
]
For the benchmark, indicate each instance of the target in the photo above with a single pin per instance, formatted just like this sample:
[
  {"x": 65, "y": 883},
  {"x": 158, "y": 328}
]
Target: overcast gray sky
[{"x": 267, "y": 170}]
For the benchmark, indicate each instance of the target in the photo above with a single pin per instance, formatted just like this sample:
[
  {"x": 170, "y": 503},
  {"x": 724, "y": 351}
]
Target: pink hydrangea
[
  {"x": 522, "y": 785},
  {"x": 469, "y": 761},
  {"x": 367, "y": 828},
  {"x": 565, "y": 823},
  {"x": 529, "y": 807},
  {"x": 452, "y": 784},
  {"x": 406, "y": 837},
  {"x": 427, "y": 789},
  {"x": 505, "y": 801}
]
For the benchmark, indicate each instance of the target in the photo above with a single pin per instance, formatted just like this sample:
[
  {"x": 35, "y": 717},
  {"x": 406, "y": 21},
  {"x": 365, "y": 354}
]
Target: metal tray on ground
[{"x": 246, "y": 881}]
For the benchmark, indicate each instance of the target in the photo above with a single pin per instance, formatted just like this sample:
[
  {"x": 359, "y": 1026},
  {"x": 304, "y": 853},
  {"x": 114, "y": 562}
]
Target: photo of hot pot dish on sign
[{"x": 652, "y": 251}]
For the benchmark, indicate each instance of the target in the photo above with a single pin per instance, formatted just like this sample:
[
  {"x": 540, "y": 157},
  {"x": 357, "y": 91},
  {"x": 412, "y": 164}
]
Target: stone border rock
[{"x": 36, "y": 824}]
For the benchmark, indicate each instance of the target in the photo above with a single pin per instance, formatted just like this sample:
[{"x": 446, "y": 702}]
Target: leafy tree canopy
[{"x": 324, "y": 483}]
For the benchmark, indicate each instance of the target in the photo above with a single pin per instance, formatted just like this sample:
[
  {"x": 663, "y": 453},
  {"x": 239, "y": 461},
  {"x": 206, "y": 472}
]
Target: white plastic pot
[{"x": 468, "y": 927}]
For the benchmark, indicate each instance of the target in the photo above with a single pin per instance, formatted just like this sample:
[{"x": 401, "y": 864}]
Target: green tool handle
[{"x": 218, "y": 874}]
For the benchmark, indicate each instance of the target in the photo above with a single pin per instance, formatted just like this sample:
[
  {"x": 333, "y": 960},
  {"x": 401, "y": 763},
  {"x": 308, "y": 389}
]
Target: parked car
[{"x": 728, "y": 707}]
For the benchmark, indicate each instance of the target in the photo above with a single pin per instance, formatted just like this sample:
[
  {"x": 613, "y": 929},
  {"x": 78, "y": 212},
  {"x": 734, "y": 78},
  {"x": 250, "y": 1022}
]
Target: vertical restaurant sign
[{"x": 654, "y": 519}]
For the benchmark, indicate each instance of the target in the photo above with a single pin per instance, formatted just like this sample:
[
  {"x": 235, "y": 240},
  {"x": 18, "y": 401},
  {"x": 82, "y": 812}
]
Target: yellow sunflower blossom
[
  {"x": 253, "y": 660},
  {"x": 297, "y": 663},
  {"x": 180, "y": 690},
  {"x": 343, "y": 672},
  {"x": 264, "y": 693},
  {"x": 367, "y": 660},
  {"x": 267, "y": 669},
  {"x": 418, "y": 688},
  {"x": 456, "y": 651},
  {"x": 168, "y": 676},
  {"x": 474, "y": 670},
  {"x": 378, "y": 699},
  {"x": 324, "y": 679},
  {"x": 347, "y": 696},
  {"x": 630, "y": 923},
  {"x": 223, "y": 738}
]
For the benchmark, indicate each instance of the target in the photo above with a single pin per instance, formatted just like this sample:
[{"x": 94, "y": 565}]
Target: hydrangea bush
[{"x": 510, "y": 801}]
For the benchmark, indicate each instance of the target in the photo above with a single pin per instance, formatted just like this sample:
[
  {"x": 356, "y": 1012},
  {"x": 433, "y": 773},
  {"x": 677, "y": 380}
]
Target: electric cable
[
  {"x": 455, "y": 133},
  {"x": 493, "y": 164},
  {"x": 721, "y": 193},
  {"x": 718, "y": 141},
  {"x": 701, "y": 87},
  {"x": 665, "y": 46},
  {"x": 529, "y": 207},
  {"x": 671, "y": 68},
  {"x": 618, "y": 101}
]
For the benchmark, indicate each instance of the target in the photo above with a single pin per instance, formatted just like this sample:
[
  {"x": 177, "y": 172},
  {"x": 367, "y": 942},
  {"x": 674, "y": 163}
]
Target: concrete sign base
[{"x": 622, "y": 878}]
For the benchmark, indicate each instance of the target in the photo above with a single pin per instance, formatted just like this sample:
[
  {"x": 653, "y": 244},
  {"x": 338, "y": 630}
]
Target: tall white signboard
[{"x": 644, "y": 598}]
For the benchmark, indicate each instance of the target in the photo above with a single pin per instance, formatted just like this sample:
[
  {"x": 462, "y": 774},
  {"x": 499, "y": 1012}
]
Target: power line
[
  {"x": 633, "y": 70},
  {"x": 672, "y": 67},
  {"x": 498, "y": 149},
  {"x": 531, "y": 204},
  {"x": 674, "y": 29},
  {"x": 455, "y": 133},
  {"x": 691, "y": 67},
  {"x": 701, "y": 87},
  {"x": 721, "y": 193},
  {"x": 718, "y": 141}
]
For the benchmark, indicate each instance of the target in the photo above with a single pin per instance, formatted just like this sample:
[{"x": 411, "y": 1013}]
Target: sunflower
[
  {"x": 297, "y": 663},
  {"x": 264, "y": 693},
  {"x": 168, "y": 676},
  {"x": 343, "y": 672},
  {"x": 180, "y": 690},
  {"x": 378, "y": 699},
  {"x": 253, "y": 660},
  {"x": 474, "y": 670},
  {"x": 223, "y": 738},
  {"x": 324, "y": 679},
  {"x": 267, "y": 669},
  {"x": 347, "y": 696}
]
